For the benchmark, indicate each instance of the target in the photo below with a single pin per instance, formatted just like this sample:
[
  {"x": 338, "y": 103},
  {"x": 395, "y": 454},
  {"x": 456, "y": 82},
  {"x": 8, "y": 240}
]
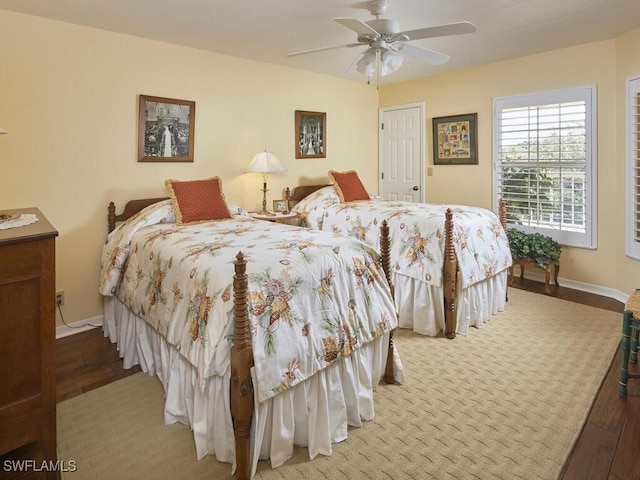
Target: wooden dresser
[{"x": 27, "y": 336}]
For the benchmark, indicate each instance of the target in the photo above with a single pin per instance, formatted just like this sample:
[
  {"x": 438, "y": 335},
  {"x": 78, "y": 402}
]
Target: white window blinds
[
  {"x": 544, "y": 158},
  {"x": 633, "y": 168}
]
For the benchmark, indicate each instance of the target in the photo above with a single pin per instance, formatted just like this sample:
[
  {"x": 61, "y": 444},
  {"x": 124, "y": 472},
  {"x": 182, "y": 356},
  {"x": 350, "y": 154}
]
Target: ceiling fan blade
[
  {"x": 457, "y": 28},
  {"x": 322, "y": 49},
  {"x": 357, "y": 26},
  {"x": 429, "y": 56}
]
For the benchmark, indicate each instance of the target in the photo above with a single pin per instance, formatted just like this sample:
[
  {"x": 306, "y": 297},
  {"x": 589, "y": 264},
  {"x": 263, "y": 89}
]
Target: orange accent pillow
[
  {"x": 349, "y": 186},
  {"x": 197, "y": 201}
]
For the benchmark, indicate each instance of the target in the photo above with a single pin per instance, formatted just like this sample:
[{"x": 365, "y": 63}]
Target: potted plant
[{"x": 534, "y": 247}]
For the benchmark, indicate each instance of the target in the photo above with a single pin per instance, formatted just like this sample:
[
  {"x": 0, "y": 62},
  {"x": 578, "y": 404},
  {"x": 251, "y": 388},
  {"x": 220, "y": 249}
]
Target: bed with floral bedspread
[
  {"x": 418, "y": 252},
  {"x": 319, "y": 306}
]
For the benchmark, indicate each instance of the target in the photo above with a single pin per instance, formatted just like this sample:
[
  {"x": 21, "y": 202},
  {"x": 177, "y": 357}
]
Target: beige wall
[
  {"x": 68, "y": 98},
  {"x": 604, "y": 64}
]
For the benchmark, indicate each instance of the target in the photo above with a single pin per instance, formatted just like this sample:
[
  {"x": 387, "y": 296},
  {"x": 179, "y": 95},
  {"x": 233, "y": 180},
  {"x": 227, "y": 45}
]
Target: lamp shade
[
  {"x": 265, "y": 162},
  {"x": 367, "y": 63},
  {"x": 384, "y": 61},
  {"x": 390, "y": 62},
  {"x": 3, "y": 131}
]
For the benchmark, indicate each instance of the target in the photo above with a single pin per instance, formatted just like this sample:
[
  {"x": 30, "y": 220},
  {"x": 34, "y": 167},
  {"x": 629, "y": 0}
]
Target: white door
[{"x": 402, "y": 152}]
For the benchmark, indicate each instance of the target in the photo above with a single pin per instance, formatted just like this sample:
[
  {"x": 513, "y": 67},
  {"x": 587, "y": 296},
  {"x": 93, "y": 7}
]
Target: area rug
[{"x": 507, "y": 401}]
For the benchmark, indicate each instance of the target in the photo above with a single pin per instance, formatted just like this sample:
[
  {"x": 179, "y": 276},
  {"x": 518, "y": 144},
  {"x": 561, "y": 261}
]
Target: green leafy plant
[{"x": 535, "y": 247}]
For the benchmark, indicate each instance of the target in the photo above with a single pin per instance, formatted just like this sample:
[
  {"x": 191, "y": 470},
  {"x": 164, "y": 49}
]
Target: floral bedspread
[
  {"x": 417, "y": 234},
  {"x": 313, "y": 297}
]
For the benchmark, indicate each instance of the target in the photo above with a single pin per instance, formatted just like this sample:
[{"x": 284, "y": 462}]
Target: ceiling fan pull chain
[{"x": 378, "y": 68}]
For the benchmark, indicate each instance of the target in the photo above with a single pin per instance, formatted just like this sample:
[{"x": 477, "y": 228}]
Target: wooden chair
[{"x": 629, "y": 345}]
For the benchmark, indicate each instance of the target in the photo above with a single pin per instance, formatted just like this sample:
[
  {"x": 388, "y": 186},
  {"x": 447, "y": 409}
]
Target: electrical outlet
[{"x": 60, "y": 298}]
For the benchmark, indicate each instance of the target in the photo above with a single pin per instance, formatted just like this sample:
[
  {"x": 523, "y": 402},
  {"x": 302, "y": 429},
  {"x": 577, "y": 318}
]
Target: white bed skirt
[
  {"x": 421, "y": 306},
  {"x": 313, "y": 414}
]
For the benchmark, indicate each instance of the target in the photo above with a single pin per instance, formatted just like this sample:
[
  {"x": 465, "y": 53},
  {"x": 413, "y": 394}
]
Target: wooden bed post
[
  {"x": 111, "y": 217},
  {"x": 449, "y": 278},
  {"x": 287, "y": 198},
  {"x": 241, "y": 364},
  {"x": 502, "y": 214},
  {"x": 386, "y": 266}
]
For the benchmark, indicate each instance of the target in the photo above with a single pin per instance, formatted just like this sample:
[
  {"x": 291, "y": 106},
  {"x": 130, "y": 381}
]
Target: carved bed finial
[
  {"x": 111, "y": 217},
  {"x": 287, "y": 199},
  {"x": 384, "y": 251},
  {"x": 502, "y": 213}
]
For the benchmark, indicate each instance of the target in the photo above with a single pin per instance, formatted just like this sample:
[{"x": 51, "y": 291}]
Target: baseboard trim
[
  {"x": 79, "y": 326},
  {"x": 583, "y": 287}
]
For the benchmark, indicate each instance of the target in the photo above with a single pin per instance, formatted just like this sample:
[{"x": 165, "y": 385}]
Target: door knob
[{"x": 415, "y": 188}]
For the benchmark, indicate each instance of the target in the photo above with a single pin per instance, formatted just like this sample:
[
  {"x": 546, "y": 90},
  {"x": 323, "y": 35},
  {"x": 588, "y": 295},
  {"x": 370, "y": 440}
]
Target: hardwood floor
[
  {"x": 606, "y": 449},
  {"x": 608, "y": 444}
]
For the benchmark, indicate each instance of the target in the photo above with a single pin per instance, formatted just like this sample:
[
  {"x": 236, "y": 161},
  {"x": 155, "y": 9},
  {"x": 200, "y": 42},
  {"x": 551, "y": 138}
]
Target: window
[
  {"x": 545, "y": 163},
  {"x": 633, "y": 168}
]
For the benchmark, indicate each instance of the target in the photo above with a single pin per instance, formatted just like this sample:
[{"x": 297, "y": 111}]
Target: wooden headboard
[
  {"x": 302, "y": 191},
  {"x": 131, "y": 208}
]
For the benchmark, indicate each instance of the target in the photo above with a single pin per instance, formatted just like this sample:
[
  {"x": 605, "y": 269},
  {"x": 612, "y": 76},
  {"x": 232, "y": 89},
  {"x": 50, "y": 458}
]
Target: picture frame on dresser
[
  {"x": 165, "y": 129},
  {"x": 280, "y": 206},
  {"x": 311, "y": 134}
]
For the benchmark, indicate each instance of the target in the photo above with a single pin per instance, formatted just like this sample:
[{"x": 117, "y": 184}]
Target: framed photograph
[
  {"x": 280, "y": 206},
  {"x": 455, "y": 140},
  {"x": 311, "y": 134},
  {"x": 165, "y": 129}
]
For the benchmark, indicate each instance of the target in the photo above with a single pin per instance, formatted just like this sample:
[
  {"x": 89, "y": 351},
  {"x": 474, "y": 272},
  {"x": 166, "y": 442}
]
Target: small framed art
[
  {"x": 311, "y": 134},
  {"x": 280, "y": 206},
  {"x": 455, "y": 140},
  {"x": 165, "y": 129}
]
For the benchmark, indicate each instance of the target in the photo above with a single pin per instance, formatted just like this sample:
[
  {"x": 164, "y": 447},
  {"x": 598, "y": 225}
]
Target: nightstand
[{"x": 292, "y": 218}]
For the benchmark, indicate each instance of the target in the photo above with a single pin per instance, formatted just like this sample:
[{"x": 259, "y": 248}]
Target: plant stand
[{"x": 548, "y": 268}]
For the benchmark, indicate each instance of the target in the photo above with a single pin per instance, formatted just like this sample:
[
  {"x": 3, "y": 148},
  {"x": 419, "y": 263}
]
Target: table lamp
[{"x": 265, "y": 163}]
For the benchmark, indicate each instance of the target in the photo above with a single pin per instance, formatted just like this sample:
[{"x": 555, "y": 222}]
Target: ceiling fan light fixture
[
  {"x": 390, "y": 62},
  {"x": 387, "y": 44},
  {"x": 367, "y": 63}
]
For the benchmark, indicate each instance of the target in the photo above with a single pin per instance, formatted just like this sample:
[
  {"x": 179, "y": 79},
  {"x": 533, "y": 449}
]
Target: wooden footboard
[
  {"x": 241, "y": 389},
  {"x": 242, "y": 404},
  {"x": 450, "y": 269}
]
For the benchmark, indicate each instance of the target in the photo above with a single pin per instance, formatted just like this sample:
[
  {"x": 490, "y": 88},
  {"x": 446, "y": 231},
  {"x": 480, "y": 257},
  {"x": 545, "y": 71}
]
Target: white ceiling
[{"x": 266, "y": 30}]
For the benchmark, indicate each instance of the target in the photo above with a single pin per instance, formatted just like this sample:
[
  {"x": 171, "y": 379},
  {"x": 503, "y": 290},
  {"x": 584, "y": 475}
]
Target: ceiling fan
[{"x": 386, "y": 42}]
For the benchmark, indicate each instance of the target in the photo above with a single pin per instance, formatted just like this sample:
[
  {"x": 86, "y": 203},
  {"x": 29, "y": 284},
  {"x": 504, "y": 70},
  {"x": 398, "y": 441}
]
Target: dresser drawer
[{"x": 20, "y": 261}]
